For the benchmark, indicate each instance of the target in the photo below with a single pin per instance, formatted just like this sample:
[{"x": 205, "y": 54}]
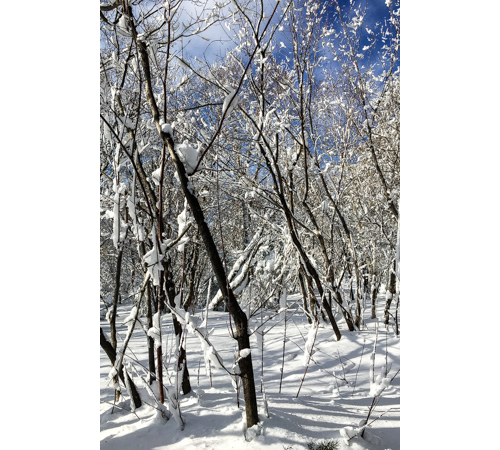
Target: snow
[
  {"x": 153, "y": 259},
  {"x": 182, "y": 221},
  {"x": 210, "y": 414},
  {"x": 155, "y": 175},
  {"x": 283, "y": 304},
  {"x": 188, "y": 156},
  {"x": 378, "y": 387},
  {"x": 230, "y": 102},
  {"x": 308, "y": 349},
  {"x": 129, "y": 320},
  {"x": 116, "y": 200},
  {"x": 167, "y": 128},
  {"x": 137, "y": 228},
  {"x": 155, "y": 332},
  {"x": 123, "y": 25}
]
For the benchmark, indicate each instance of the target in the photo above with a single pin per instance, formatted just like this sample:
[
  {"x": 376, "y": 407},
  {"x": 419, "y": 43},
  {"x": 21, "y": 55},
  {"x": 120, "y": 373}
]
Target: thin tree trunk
[
  {"x": 112, "y": 320},
  {"x": 170, "y": 287},
  {"x": 391, "y": 290},
  {"x": 149, "y": 318},
  {"x": 111, "y": 352},
  {"x": 151, "y": 342},
  {"x": 374, "y": 292}
]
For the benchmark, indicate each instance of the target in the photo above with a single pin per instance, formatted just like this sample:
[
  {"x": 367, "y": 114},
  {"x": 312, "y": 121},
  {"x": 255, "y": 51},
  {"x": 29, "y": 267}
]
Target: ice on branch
[
  {"x": 183, "y": 63},
  {"x": 112, "y": 373},
  {"x": 116, "y": 202},
  {"x": 123, "y": 26},
  {"x": 210, "y": 354}
]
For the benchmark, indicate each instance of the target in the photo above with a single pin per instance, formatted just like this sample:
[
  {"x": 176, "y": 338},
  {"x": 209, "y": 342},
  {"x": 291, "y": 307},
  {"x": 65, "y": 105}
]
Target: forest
[{"x": 249, "y": 224}]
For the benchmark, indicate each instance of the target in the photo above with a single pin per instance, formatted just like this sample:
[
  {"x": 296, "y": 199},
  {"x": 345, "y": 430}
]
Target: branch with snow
[
  {"x": 191, "y": 323},
  {"x": 240, "y": 268},
  {"x": 153, "y": 259}
]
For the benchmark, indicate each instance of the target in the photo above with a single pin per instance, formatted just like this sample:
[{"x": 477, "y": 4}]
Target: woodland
[{"x": 249, "y": 224}]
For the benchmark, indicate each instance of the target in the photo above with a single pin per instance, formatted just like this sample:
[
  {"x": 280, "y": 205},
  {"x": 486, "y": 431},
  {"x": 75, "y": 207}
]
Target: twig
[
  {"x": 355, "y": 379},
  {"x": 120, "y": 407}
]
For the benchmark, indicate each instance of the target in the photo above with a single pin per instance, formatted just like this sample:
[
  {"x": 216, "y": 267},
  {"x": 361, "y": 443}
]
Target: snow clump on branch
[{"x": 188, "y": 156}]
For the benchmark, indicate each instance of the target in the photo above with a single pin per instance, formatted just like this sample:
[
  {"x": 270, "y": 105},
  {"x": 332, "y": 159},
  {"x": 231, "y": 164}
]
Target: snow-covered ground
[{"x": 335, "y": 394}]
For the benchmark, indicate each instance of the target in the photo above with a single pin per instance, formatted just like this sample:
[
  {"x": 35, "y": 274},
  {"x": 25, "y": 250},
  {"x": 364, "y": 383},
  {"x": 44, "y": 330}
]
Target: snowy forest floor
[{"x": 335, "y": 392}]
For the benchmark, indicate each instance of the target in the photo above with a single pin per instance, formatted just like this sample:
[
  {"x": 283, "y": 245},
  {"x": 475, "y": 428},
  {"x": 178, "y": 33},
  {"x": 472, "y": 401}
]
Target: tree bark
[
  {"x": 149, "y": 318},
  {"x": 111, "y": 352},
  {"x": 112, "y": 319},
  {"x": 392, "y": 290},
  {"x": 373, "y": 296},
  {"x": 170, "y": 288}
]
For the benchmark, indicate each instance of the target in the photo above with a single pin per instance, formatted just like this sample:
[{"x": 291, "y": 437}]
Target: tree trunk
[
  {"x": 374, "y": 292},
  {"x": 159, "y": 353},
  {"x": 391, "y": 290},
  {"x": 358, "y": 306},
  {"x": 111, "y": 352},
  {"x": 170, "y": 288},
  {"x": 151, "y": 342},
  {"x": 112, "y": 321},
  {"x": 149, "y": 316}
]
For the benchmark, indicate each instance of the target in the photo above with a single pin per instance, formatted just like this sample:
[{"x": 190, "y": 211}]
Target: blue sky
[{"x": 220, "y": 42}]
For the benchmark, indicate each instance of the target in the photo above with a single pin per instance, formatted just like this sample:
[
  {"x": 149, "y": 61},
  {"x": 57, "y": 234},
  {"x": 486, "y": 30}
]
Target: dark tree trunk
[
  {"x": 111, "y": 352},
  {"x": 151, "y": 341},
  {"x": 159, "y": 353},
  {"x": 373, "y": 296},
  {"x": 392, "y": 290},
  {"x": 112, "y": 321},
  {"x": 149, "y": 316},
  {"x": 170, "y": 288},
  {"x": 358, "y": 306},
  {"x": 347, "y": 315}
]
